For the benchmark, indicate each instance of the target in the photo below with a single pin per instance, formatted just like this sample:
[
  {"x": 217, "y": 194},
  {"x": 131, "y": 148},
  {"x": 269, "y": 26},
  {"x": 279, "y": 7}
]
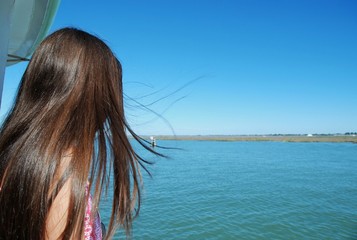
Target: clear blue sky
[{"x": 241, "y": 67}]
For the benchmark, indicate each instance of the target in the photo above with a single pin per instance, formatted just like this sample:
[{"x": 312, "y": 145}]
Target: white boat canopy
[{"x": 23, "y": 25}]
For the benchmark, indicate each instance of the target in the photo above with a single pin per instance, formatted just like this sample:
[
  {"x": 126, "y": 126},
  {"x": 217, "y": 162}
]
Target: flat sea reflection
[{"x": 249, "y": 190}]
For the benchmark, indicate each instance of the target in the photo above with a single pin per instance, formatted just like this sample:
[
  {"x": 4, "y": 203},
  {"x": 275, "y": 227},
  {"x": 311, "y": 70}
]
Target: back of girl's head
[
  {"x": 71, "y": 69},
  {"x": 69, "y": 101},
  {"x": 71, "y": 86}
]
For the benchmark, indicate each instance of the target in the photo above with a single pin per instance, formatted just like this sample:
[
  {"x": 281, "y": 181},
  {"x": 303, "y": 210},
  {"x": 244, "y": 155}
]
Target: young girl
[{"x": 65, "y": 133}]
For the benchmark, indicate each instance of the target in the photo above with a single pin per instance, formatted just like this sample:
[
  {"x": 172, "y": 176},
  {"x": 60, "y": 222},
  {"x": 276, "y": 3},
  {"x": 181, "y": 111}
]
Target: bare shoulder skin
[{"x": 58, "y": 213}]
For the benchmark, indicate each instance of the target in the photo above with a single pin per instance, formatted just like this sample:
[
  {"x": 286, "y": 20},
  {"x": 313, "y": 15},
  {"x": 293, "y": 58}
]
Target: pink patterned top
[{"x": 92, "y": 227}]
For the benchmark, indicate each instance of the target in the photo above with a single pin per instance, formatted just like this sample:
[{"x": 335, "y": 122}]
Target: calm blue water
[{"x": 250, "y": 190}]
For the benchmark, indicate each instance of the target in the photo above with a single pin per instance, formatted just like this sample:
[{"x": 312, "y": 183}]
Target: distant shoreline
[{"x": 260, "y": 138}]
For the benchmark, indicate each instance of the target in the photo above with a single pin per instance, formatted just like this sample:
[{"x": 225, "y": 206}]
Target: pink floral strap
[{"x": 92, "y": 227}]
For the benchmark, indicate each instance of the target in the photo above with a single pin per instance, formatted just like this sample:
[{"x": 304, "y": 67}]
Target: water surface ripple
[{"x": 250, "y": 190}]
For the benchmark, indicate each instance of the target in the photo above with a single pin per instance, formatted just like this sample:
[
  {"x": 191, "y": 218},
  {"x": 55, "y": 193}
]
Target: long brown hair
[{"x": 70, "y": 101}]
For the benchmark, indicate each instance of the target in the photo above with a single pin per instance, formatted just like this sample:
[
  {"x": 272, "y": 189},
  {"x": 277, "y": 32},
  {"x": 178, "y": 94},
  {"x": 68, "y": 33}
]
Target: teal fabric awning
[{"x": 30, "y": 21}]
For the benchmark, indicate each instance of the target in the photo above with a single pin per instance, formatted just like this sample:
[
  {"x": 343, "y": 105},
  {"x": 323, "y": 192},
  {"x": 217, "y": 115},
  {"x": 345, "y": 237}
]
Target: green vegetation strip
[{"x": 284, "y": 138}]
